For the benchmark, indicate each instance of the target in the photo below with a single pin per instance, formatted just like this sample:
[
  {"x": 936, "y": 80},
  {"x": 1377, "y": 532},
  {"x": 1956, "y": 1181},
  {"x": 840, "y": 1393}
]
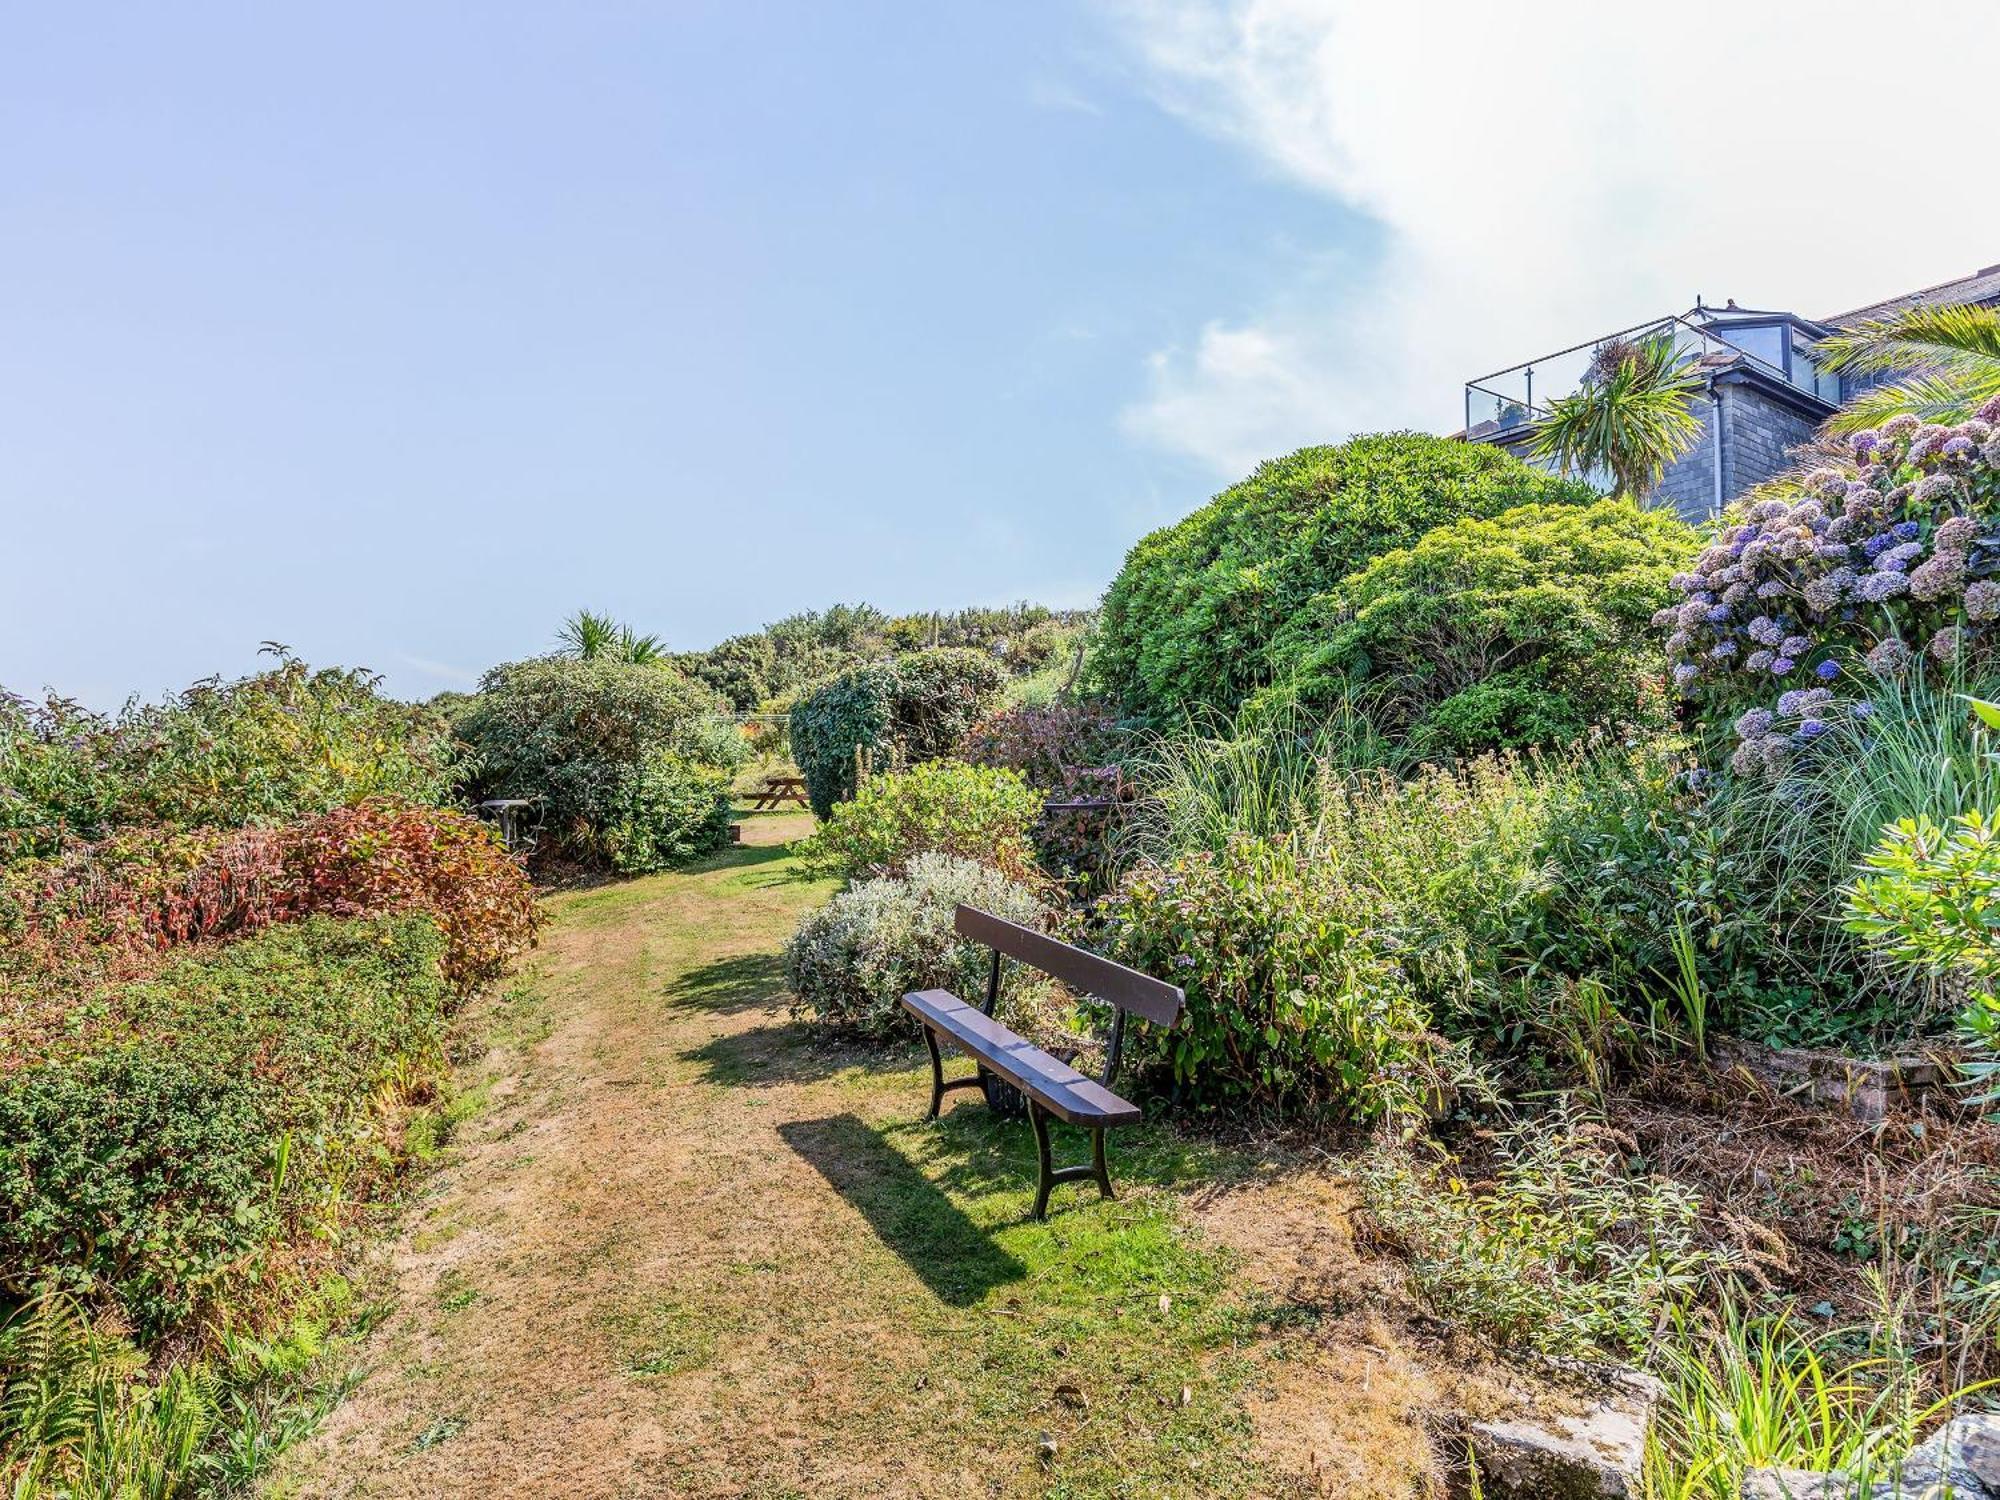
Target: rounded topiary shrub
[
  {"x": 915, "y": 709},
  {"x": 851, "y": 961},
  {"x": 1527, "y": 629},
  {"x": 626, "y": 757},
  {"x": 1186, "y": 622}
]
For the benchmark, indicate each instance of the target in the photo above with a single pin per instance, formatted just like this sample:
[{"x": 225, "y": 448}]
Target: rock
[
  {"x": 1592, "y": 1455},
  {"x": 1961, "y": 1460},
  {"x": 1794, "y": 1484}
]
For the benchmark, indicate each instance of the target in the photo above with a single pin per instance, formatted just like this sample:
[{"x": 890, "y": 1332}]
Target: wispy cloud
[
  {"x": 1547, "y": 172},
  {"x": 439, "y": 671},
  {"x": 1055, "y": 95}
]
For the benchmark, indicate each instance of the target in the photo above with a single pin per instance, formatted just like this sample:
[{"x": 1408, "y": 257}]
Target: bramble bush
[
  {"x": 852, "y": 960},
  {"x": 1530, "y": 628},
  {"x": 205, "y": 1113},
  {"x": 1825, "y": 586},
  {"x": 281, "y": 744},
  {"x": 614, "y": 749},
  {"x": 946, "y": 806},
  {"x": 1292, "y": 1004},
  {"x": 664, "y": 812},
  {"x": 1187, "y": 620},
  {"x": 902, "y": 713}
]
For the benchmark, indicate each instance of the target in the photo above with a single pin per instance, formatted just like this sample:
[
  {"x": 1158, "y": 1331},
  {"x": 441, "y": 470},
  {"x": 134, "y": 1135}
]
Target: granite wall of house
[
  {"x": 1688, "y": 488},
  {"x": 1759, "y": 435}
]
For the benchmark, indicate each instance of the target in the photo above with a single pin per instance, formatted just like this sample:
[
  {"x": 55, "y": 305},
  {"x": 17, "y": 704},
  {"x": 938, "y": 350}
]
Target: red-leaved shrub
[{"x": 103, "y": 912}]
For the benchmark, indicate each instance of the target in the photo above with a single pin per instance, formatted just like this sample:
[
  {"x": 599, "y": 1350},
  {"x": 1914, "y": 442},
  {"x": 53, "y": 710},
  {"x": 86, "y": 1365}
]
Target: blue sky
[{"x": 397, "y": 332}]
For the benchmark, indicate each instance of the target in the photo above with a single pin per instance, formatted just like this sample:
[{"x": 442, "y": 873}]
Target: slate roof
[{"x": 1980, "y": 286}]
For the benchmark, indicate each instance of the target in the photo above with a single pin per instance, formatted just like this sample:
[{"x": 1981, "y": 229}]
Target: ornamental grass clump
[{"x": 1852, "y": 575}]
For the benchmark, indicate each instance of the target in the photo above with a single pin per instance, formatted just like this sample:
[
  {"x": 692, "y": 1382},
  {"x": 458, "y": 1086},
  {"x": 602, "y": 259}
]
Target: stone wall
[
  {"x": 1688, "y": 489},
  {"x": 1760, "y": 434}
]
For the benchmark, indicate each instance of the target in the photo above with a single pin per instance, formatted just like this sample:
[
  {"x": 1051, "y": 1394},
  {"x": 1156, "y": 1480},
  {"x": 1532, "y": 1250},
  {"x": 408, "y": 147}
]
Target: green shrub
[
  {"x": 851, "y": 961},
  {"x": 600, "y": 742},
  {"x": 665, "y": 812},
  {"x": 1186, "y": 623},
  {"x": 1292, "y": 1002},
  {"x": 196, "y": 1116},
  {"x": 279, "y": 745},
  {"x": 1526, "y": 629},
  {"x": 900, "y": 713},
  {"x": 946, "y": 806},
  {"x": 1565, "y": 1252}
]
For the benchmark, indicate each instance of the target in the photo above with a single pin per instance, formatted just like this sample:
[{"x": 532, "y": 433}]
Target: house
[{"x": 1763, "y": 392}]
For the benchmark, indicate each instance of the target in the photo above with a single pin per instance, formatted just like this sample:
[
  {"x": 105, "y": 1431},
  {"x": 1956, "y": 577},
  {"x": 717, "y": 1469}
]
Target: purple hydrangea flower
[
  {"x": 1826, "y": 671},
  {"x": 1755, "y": 724},
  {"x": 1875, "y": 588},
  {"x": 1906, "y": 531},
  {"x": 1812, "y": 729},
  {"x": 1780, "y": 665}
]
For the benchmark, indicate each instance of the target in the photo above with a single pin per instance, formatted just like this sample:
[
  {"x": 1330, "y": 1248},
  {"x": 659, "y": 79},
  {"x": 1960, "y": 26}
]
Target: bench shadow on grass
[{"x": 951, "y": 1255}]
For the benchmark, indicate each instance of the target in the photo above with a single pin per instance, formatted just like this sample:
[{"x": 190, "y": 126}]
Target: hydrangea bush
[{"x": 1867, "y": 567}]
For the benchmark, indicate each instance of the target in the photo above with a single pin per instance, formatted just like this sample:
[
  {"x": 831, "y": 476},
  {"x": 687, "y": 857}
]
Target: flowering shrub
[
  {"x": 1526, "y": 629},
  {"x": 1187, "y": 620},
  {"x": 664, "y": 812},
  {"x": 899, "y": 713},
  {"x": 1291, "y": 1002},
  {"x": 851, "y": 961},
  {"x": 971, "y": 812},
  {"x": 1798, "y": 606}
]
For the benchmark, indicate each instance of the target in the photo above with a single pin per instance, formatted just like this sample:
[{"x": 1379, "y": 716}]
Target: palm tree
[
  {"x": 594, "y": 637},
  {"x": 1632, "y": 416},
  {"x": 1947, "y": 355}
]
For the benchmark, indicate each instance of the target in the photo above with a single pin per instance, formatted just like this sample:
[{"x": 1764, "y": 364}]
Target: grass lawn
[{"x": 688, "y": 1247}]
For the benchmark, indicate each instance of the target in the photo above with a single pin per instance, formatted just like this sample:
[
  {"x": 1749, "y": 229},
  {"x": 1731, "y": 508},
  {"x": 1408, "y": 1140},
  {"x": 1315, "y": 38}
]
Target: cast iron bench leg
[
  {"x": 1049, "y": 1176},
  {"x": 937, "y": 1073}
]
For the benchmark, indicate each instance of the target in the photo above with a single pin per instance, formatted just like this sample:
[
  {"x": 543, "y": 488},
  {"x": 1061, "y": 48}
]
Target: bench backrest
[{"x": 1127, "y": 989}]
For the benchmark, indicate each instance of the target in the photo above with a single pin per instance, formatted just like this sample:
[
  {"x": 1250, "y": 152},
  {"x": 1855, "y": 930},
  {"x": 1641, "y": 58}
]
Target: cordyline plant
[
  {"x": 1633, "y": 417},
  {"x": 1827, "y": 584}
]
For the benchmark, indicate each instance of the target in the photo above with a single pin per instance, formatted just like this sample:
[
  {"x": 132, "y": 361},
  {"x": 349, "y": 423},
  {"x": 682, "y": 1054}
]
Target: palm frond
[
  {"x": 1931, "y": 398},
  {"x": 1935, "y": 338}
]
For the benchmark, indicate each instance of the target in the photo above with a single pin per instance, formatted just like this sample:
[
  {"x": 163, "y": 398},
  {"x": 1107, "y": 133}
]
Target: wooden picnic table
[{"x": 777, "y": 790}]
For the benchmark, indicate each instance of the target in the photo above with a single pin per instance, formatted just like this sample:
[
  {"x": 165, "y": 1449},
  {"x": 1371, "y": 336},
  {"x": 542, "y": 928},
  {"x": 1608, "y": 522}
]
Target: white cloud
[{"x": 1548, "y": 172}]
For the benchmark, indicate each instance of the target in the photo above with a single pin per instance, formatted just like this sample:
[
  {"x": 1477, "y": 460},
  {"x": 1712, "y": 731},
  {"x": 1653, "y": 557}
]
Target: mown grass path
[{"x": 689, "y": 1249}]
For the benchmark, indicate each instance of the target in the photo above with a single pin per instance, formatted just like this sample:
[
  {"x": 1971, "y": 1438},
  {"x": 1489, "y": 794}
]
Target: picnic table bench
[
  {"x": 1050, "y": 1085},
  {"x": 777, "y": 790}
]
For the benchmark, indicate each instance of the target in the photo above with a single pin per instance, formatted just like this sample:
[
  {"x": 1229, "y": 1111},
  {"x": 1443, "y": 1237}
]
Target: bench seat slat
[{"x": 1063, "y": 1091}]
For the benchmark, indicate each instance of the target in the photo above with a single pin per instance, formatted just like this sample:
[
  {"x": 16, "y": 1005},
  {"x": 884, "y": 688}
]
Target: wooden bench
[
  {"x": 778, "y": 790},
  {"x": 1050, "y": 1085}
]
